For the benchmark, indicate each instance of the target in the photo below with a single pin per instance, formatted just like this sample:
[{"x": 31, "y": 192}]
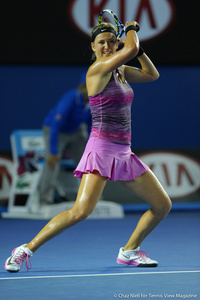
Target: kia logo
[
  {"x": 179, "y": 174},
  {"x": 153, "y": 16}
]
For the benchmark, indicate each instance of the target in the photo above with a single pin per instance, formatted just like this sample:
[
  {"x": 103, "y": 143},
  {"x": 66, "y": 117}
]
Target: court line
[{"x": 98, "y": 275}]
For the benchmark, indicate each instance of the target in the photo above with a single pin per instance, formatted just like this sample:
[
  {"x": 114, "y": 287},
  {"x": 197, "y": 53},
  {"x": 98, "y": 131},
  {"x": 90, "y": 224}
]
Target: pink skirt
[{"x": 111, "y": 160}]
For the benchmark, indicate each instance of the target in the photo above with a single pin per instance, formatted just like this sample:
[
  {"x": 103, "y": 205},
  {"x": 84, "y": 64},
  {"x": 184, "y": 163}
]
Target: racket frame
[{"x": 120, "y": 28}]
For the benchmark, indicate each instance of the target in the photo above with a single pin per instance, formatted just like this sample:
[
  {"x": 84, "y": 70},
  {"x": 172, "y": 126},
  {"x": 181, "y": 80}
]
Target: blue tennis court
[{"x": 81, "y": 262}]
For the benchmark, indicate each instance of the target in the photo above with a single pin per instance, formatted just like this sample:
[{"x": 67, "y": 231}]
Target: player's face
[{"x": 105, "y": 44}]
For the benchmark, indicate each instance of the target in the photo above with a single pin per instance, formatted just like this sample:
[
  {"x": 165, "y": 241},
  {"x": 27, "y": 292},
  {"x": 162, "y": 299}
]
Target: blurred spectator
[{"x": 66, "y": 128}]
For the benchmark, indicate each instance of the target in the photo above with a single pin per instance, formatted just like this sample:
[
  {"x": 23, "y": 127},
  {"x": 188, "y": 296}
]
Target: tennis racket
[{"x": 109, "y": 16}]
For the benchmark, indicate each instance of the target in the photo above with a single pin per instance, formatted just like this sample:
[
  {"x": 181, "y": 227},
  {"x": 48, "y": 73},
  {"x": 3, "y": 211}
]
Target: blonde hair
[
  {"x": 97, "y": 30},
  {"x": 102, "y": 26}
]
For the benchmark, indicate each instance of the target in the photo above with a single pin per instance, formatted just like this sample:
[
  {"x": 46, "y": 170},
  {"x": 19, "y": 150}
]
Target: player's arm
[{"x": 147, "y": 72}]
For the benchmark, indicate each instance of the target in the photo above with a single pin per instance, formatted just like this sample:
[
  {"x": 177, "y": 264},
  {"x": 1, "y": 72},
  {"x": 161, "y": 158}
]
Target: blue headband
[{"x": 101, "y": 30}]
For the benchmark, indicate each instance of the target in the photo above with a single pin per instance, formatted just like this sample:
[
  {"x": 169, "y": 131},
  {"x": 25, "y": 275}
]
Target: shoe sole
[{"x": 134, "y": 263}]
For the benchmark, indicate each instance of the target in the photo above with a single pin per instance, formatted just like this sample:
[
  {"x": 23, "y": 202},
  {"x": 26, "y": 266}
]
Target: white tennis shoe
[
  {"x": 136, "y": 258},
  {"x": 18, "y": 257}
]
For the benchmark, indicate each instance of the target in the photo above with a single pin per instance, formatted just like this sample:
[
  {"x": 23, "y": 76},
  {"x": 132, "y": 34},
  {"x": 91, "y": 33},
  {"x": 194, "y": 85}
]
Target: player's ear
[
  {"x": 117, "y": 44},
  {"x": 92, "y": 46}
]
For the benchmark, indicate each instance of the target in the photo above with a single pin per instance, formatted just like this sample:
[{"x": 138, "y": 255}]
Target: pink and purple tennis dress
[{"x": 108, "y": 149}]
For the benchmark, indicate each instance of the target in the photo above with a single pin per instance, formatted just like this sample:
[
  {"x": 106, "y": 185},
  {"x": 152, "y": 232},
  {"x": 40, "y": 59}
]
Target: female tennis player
[{"x": 108, "y": 155}]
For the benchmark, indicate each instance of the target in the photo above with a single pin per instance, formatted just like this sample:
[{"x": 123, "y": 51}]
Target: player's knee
[
  {"x": 82, "y": 215},
  {"x": 163, "y": 208},
  {"x": 168, "y": 205},
  {"x": 79, "y": 215}
]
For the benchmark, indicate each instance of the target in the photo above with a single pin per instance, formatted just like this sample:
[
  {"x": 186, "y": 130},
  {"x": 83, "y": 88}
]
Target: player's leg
[
  {"x": 89, "y": 193},
  {"x": 148, "y": 188}
]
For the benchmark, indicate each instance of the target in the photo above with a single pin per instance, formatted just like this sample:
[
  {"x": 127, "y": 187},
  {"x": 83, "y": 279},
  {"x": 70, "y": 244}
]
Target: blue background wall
[{"x": 166, "y": 113}]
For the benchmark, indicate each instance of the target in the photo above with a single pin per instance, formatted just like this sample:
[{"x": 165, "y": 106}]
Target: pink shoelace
[
  {"x": 142, "y": 255},
  {"x": 24, "y": 257}
]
